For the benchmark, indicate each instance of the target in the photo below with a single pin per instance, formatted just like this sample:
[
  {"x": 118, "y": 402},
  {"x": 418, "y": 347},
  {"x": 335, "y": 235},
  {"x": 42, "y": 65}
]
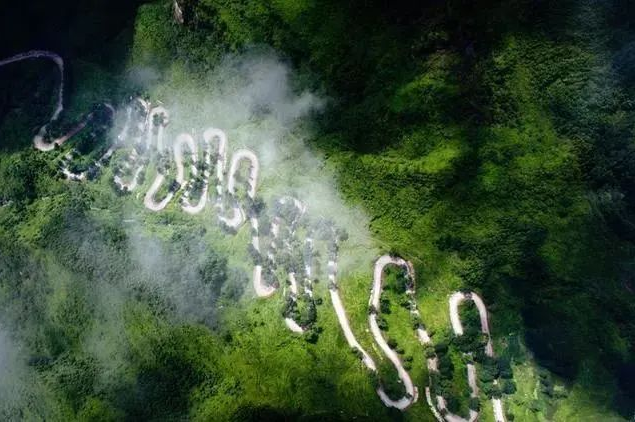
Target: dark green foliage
[
  {"x": 440, "y": 347},
  {"x": 163, "y": 386},
  {"x": 446, "y": 367},
  {"x": 390, "y": 381},
  {"x": 312, "y": 335},
  {"x": 505, "y": 368},
  {"x": 384, "y": 305},
  {"x": 491, "y": 391},
  {"x": 471, "y": 341},
  {"x": 382, "y": 323},
  {"x": 416, "y": 322},
  {"x": 429, "y": 351},
  {"x": 488, "y": 371},
  {"x": 508, "y": 387},
  {"x": 392, "y": 343}
]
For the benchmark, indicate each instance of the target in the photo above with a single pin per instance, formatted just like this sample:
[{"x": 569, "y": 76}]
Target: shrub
[
  {"x": 509, "y": 387},
  {"x": 429, "y": 351},
  {"x": 311, "y": 336},
  {"x": 505, "y": 368}
]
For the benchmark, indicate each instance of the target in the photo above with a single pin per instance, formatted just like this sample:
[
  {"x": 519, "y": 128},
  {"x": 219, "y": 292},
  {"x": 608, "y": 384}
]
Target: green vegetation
[{"x": 490, "y": 143}]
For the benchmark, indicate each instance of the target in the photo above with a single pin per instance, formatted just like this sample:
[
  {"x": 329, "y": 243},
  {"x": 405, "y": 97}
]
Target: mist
[{"x": 254, "y": 98}]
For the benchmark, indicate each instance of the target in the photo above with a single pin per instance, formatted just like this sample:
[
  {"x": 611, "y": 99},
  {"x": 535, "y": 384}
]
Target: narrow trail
[{"x": 143, "y": 135}]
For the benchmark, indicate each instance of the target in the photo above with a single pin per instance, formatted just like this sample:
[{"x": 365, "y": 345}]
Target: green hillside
[{"x": 488, "y": 143}]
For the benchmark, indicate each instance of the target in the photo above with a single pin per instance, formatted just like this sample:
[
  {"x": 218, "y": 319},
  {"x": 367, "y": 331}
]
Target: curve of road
[
  {"x": 159, "y": 117},
  {"x": 39, "y": 140},
  {"x": 375, "y": 294},
  {"x": 237, "y": 216},
  {"x": 455, "y": 300}
]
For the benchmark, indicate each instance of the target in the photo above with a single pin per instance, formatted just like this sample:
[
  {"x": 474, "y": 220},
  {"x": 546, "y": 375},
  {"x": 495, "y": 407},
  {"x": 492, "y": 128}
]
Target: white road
[
  {"x": 39, "y": 141},
  {"x": 262, "y": 290},
  {"x": 346, "y": 329}
]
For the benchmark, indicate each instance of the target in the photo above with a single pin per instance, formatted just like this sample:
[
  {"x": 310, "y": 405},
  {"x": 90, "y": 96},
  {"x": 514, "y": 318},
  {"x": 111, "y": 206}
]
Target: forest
[{"x": 486, "y": 142}]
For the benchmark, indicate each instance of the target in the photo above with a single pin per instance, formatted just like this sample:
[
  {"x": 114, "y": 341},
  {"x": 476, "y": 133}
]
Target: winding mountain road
[{"x": 140, "y": 124}]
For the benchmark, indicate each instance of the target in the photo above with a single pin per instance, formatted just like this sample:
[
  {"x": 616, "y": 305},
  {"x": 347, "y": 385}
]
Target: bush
[
  {"x": 384, "y": 305},
  {"x": 429, "y": 351},
  {"x": 505, "y": 368},
  {"x": 382, "y": 324},
  {"x": 509, "y": 387},
  {"x": 416, "y": 322},
  {"x": 536, "y": 406},
  {"x": 312, "y": 336},
  {"x": 441, "y": 347}
]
